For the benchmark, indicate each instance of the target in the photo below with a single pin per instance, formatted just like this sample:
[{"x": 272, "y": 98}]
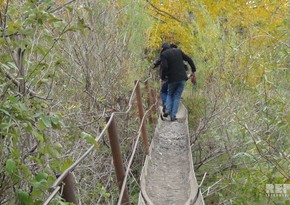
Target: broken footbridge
[{"x": 167, "y": 176}]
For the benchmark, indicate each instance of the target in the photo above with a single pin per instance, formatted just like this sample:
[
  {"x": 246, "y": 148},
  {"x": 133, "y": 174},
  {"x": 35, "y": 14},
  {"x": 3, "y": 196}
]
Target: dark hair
[
  {"x": 165, "y": 45},
  {"x": 172, "y": 45}
]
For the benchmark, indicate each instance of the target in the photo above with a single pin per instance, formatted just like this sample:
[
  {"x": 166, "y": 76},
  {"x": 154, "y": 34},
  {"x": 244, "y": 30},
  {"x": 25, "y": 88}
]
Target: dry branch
[
  {"x": 163, "y": 12},
  {"x": 17, "y": 83}
]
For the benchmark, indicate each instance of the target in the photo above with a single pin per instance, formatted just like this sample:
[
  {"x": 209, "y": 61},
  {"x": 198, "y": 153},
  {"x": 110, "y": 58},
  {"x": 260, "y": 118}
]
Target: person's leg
[
  {"x": 164, "y": 88},
  {"x": 176, "y": 98},
  {"x": 170, "y": 94}
]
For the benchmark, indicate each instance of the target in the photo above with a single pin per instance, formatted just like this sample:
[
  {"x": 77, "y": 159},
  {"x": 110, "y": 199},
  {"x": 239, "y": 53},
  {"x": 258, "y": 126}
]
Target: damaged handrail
[{"x": 56, "y": 187}]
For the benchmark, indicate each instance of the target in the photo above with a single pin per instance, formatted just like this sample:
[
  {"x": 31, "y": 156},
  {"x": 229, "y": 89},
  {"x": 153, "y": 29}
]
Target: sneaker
[
  {"x": 164, "y": 109},
  {"x": 173, "y": 119},
  {"x": 165, "y": 114}
]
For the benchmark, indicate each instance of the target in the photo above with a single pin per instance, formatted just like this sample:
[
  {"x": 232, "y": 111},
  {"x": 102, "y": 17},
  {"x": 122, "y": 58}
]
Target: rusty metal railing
[{"x": 66, "y": 177}]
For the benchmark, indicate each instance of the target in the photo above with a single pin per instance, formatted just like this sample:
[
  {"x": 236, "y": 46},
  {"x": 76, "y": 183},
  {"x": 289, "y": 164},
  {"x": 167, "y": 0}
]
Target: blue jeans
[
  {"x": 164, "y": 88},
  {"x": 174, "y": 93}
]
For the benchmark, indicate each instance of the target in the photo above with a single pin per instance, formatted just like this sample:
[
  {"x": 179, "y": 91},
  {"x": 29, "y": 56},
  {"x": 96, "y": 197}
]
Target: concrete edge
[{"x": 192, "y": 178}]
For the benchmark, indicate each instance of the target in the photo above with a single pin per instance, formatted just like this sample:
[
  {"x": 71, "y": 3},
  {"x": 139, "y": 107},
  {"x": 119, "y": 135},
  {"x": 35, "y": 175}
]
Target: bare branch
[
  {"x": 163, "y": 12},
  {"x": 4, "y": 22},
  {"x": 16, "y": 82},
  {"x": 62, "y": 6}
]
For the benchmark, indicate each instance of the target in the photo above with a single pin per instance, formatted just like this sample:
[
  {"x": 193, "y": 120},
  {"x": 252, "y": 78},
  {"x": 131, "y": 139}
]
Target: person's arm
[
  {"x": 163, "y": 67},
  {"x": 193, "y": 68},
  {"x": 190, "y": 61},
  {"x": 156, "y": 63}
]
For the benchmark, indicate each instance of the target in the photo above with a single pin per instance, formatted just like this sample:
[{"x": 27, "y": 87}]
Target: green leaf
[
  {"x": 54, "y": 119},
  {"x": 89, "y": 139},
  {"x": 40, "y": 125},
  {"x": 24, "y": 197},
  {"x": 27, "y": 127},
  {"x": 2, "y": 41},
  {"x": 12, "y": 28},
  {"x": 36, "y": 115},
  {"x": 12, "y": 99},
  {"x": 36, "y": 187},
  {"x": 57, "y": 146},
  {"x": 53, "y": 19},
  {"x": 66, "y": 165},
  {"x": 56, "y": 126},
  {"x": 52, "y": 151},
  {"x": 86, "y": 135},
  {"x": 72, "y": 29},
  {"x": 55, "y": 165},
  {"x": 46, "y": 121},
  {"x": 38, "y": 136},
  {"x": 56, "y": 122},
  {"x": 69, "y": 8},
  {"x": 107, "y": 195},
  {"x": 10, "y": 166},
  {"x": 5, "y": 112},
  {"x": 41, "y": 176}
]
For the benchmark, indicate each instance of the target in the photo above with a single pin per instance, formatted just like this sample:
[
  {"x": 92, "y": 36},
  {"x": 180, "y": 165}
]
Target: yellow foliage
[
  {"x": 254, "y": 75},
  {"x": 2, "y": 4},
  {"x": 171, "y": 24},
  {"x": 247, "y": 13},
  {"x": 255, "y": 24},
  {"x": 173, "y": 19}
]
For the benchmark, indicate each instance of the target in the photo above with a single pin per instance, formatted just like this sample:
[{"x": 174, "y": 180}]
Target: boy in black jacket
[
  {"x": 173, "y": 70},
  {"x": 164, "y": 84}
]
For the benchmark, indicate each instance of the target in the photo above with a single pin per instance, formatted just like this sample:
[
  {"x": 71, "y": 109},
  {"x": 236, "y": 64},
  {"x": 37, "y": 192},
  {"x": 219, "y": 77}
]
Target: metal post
[
  {"x": 117, "y": 159},
  {"x": 141, "y": 114},
  {"x": 149, "y": 101},
  {"x": 68, "y": 189}
]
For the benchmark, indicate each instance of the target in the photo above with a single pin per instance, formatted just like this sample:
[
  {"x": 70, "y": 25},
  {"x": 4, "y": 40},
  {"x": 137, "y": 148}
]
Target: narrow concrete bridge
[{"x": 168, "y": 176}]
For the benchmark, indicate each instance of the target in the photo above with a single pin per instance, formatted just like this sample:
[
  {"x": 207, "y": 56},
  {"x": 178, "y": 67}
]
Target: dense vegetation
[{"x": 67, "y": 64}]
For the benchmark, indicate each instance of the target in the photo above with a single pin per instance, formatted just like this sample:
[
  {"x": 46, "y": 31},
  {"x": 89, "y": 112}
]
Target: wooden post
[
  {"x": 68, "y": 189},
  {"x": 117, "y": 159},
  {"x": 149, "y": 101},
  {"x": 141, "y": 114}
]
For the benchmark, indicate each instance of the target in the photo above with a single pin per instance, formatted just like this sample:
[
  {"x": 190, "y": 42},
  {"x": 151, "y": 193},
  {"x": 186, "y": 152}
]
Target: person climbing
[
  {"x": 173, "y": 70},
  {"x": 164, "y": 84}
]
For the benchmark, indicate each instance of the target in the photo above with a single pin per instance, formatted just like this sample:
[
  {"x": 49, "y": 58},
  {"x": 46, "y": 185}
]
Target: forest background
[{"x": 64, "y": 64}]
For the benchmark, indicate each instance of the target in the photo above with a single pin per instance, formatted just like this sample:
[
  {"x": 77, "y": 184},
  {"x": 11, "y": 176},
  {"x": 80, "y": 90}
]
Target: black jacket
[
  {"x": 172, "y": 65},
  {"x": 157, "y": 62}
]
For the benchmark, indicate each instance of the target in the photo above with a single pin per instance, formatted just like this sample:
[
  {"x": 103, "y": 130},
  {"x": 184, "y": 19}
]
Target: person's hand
[{"x": 193, "y": 78}]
